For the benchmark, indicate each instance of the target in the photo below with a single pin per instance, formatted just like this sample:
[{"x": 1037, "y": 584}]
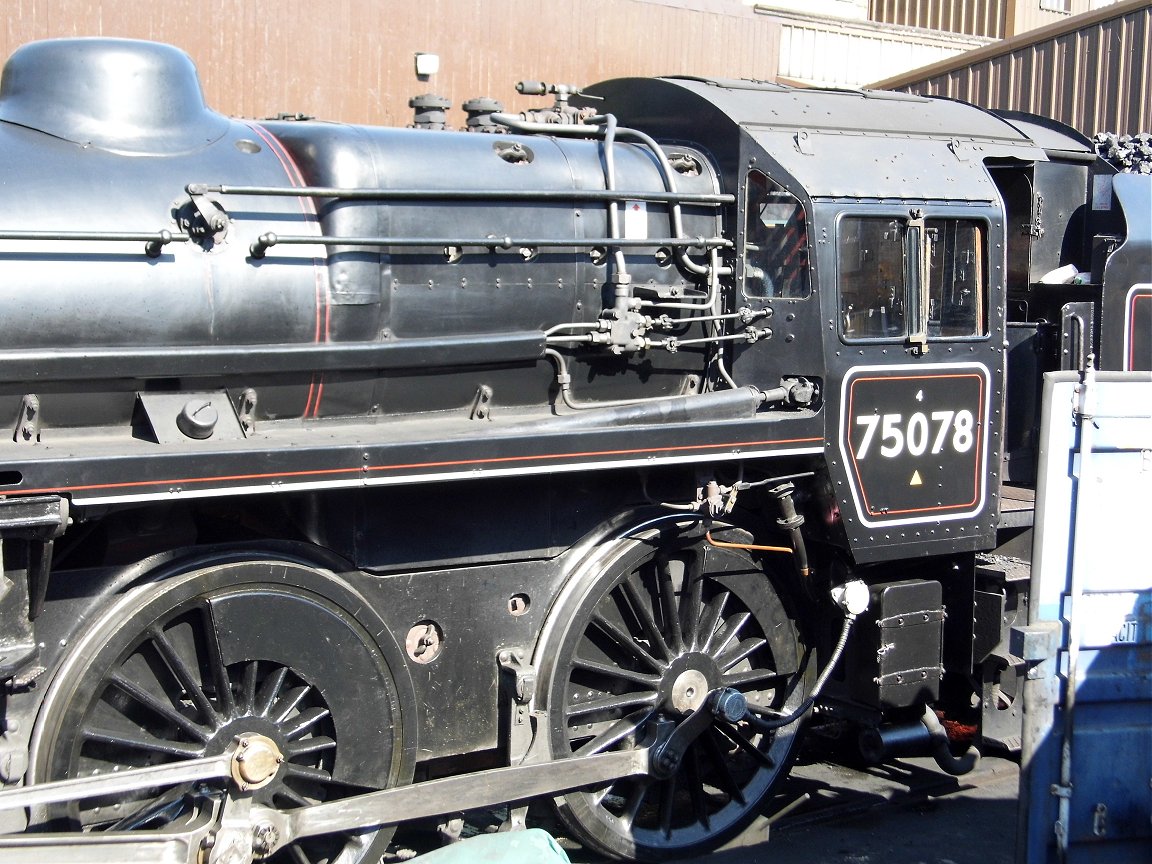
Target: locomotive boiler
[{"x": 357, "y": 474}]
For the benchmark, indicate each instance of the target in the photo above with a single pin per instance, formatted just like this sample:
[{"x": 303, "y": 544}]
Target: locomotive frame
[{"x": 582, "y": 459}]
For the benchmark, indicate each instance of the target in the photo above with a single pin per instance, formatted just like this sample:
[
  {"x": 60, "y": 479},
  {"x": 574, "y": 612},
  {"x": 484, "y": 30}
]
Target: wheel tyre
[{"x": 177, "y": 668}]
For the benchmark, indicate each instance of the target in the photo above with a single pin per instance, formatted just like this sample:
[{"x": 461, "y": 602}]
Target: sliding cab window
[
  {"x": 912, "y": 280},
  {"x": 873, "y": 277},
  {"x": 775, "y": 241},
  {"x": 957, "y": 279}
]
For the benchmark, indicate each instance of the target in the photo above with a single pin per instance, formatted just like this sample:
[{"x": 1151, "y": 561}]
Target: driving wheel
[
  {"x": 178, "y": 668},
  {"x": 638, "y": 644}
]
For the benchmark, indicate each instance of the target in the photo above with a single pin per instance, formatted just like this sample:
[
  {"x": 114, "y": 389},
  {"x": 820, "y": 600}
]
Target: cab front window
[
  {"x": 916, "y": 280},
  {"x": 956, "y": 290}
]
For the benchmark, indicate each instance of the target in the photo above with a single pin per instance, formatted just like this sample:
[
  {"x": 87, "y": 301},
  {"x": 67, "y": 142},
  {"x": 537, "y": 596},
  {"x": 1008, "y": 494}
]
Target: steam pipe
[
  {"x": 791, "y": 521},
  {"x": 514, "y": 122},
  {"x": 623, "y": 279}
]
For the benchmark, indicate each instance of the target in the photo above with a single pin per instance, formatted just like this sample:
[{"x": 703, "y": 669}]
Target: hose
[
  {"x": 777, "y": 722},
  {"x": 942, "y": 752}
]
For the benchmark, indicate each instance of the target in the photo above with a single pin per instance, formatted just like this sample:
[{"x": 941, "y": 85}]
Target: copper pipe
[{"x": 720, "y": 544}]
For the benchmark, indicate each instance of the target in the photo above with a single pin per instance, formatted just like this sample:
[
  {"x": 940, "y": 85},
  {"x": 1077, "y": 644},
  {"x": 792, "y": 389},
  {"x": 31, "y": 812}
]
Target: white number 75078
[{"x": 896, "y": 436}]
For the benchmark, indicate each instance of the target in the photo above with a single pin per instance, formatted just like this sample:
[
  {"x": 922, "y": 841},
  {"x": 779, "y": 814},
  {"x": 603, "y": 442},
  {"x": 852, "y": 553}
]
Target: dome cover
[{"x": 116, "y": 94}]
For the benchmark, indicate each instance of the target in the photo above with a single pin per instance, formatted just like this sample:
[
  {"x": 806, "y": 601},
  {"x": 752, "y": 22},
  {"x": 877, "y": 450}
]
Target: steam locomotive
[{"x": 357, "y": 475}]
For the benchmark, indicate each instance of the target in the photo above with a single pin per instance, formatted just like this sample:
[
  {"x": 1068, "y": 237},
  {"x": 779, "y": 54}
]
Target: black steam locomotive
[{"x": 356, "y": 475}]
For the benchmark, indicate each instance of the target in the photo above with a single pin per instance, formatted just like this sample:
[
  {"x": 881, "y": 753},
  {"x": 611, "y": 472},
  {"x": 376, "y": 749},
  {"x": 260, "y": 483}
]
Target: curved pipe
[
  {"x": 942, "y": 752},
  {"x": 720, "y": 544}
]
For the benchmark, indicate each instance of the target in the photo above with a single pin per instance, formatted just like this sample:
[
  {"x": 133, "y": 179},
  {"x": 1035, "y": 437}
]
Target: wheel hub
[
  {"x": 689, "y": 691},
  {"x": 256, "y": 761},
  {"x": 687, "y": 681}
]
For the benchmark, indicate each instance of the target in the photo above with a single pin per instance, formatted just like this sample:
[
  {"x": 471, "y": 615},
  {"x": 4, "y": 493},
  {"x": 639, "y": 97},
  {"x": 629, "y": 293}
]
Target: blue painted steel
[{"x": 1086, "y": 787}]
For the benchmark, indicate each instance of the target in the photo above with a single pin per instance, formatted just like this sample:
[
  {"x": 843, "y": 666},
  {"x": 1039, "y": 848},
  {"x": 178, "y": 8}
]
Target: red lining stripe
[
  {"x": 978, "y": 443},
  {"x": 1140, "y": 295},
  {"x": 322, "y": 332},
  {"x": 447, "y": 463}
]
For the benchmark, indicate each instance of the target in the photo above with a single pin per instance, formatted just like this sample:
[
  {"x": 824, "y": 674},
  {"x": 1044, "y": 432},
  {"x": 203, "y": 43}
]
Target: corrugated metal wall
[
  {"x": 997, "y": 19},
  {"x": 1092, "y": 72},
  {"x": 352, "y": 60},
  {"x": 974, "y": 17}
]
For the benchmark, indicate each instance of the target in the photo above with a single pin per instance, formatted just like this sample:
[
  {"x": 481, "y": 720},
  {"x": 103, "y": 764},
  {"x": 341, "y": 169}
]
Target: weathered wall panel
[
  {"x": 1091, "y": 72},
  {"x": 973, "y": 17},
  {"x": 820, "y": 55},
  {"x": 352, "y": 60}
]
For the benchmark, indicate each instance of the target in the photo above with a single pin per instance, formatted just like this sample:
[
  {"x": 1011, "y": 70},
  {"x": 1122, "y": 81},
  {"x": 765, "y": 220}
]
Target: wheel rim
[
  {"x": 659, "y": 624},
  {"x": 176, "y": 670}
]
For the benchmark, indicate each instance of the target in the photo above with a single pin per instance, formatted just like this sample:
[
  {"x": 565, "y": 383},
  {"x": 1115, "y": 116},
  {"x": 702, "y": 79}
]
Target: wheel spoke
[
  {"x": 611, "y": 703},
  {"x": 745, "y": 679},
  {"x": 599, "y": 795},
  {"x": 731, "y": 631},
  {"x": 696, "y": 788},
  {"x": 220, "y": 677},
  {"x": 318, "y": 744},
  {"x": 669, "y": 606},
  {"x": 291, "y": 701},
  {"x": 132, "y": 741},
  {"x": 692, "y": 595},
  {"x": 633, "y": 805},
  {"x": 623, "y": 641},
  {"x": 248, "y": 685},
  {"x": 302, "y": 722},
  {"x": 746, "y": 650},
  {"x": 617, "y": 672},
  {"x": 270, "y": 691},
  {"x": 184, "y": 675},
  {"x": 163, "y": 710},
  {"x": 614, "y": 734},
  {"x": 740, "y": 740},
  {"x": 710, "y": 621},
  {"x": 719, "y": 764},
  {"x": 667, "y": 805},
  {"x": 648, "y": 624},
  {"x": 307, "y": 772},
  {"x": 292, "y": 797}
]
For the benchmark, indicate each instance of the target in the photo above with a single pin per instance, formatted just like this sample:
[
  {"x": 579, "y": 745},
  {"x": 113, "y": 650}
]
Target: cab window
[
  {"x": 912, "y": 279},
  {"x": 873, "y": 277},
  {"x": 775, "y": 241},
  {"x": 956, "y": 290}
]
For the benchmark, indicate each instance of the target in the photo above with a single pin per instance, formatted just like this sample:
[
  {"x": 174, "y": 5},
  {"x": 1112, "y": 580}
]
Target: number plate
[{"x": 915, "y": 441}]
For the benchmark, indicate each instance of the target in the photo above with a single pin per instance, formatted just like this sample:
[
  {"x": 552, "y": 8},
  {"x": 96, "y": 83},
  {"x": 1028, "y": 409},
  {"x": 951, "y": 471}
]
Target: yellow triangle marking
[{"x": 916, "y": 481}]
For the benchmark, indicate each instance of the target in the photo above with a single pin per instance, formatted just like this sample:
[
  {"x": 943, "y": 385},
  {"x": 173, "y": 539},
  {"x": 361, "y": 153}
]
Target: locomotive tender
[{"x": 589, "y": 458}]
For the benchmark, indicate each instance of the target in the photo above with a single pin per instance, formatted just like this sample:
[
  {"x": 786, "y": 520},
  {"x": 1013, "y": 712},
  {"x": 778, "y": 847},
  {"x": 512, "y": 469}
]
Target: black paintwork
[{"x": 393, "y": 412}]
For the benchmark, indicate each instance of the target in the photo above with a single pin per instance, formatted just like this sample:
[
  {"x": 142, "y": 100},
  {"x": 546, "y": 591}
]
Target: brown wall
[{"x": 352, "y": 60}]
